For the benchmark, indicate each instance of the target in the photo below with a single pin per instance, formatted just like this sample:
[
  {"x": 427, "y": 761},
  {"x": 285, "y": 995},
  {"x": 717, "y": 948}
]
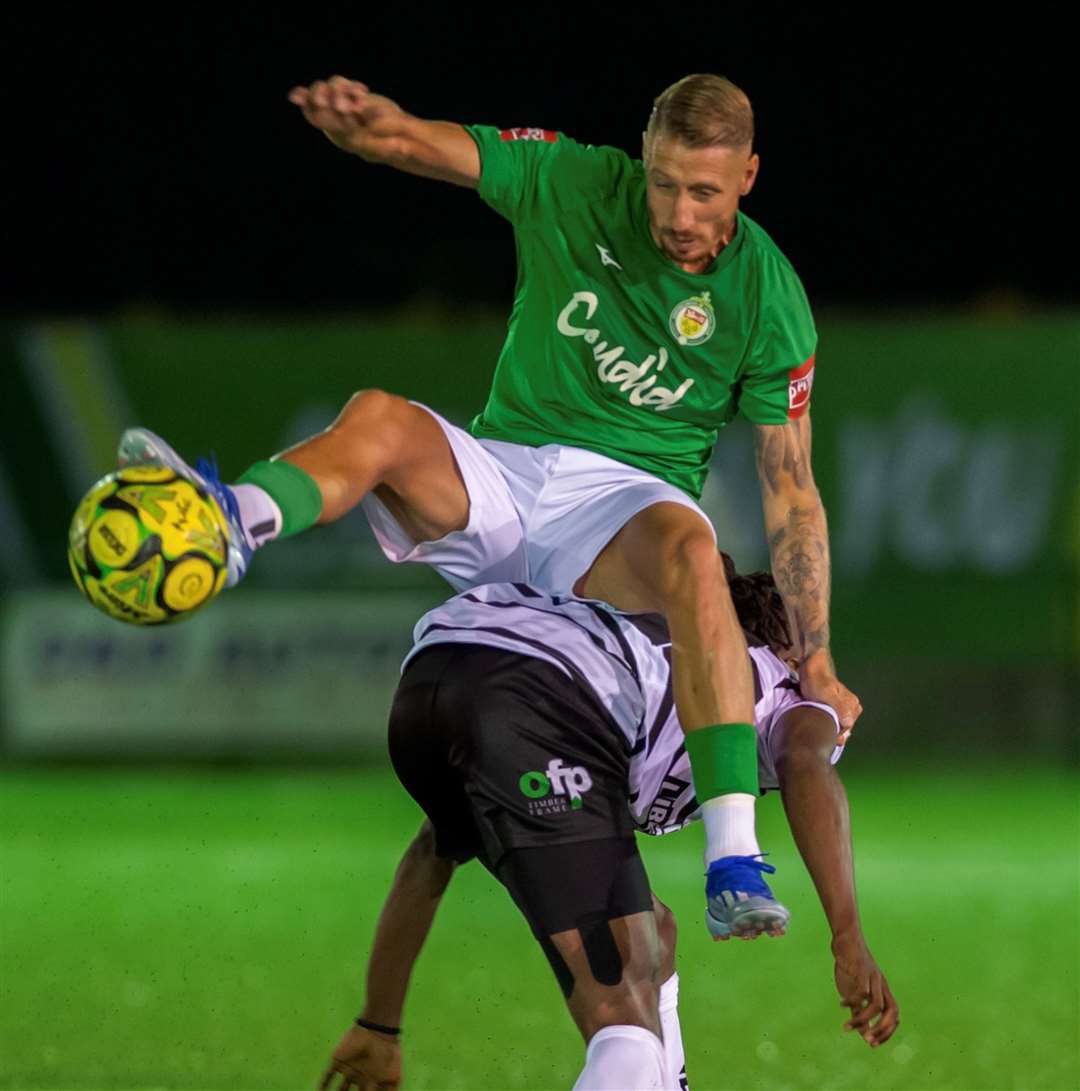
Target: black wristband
[{"x": 378, "y": 1027}]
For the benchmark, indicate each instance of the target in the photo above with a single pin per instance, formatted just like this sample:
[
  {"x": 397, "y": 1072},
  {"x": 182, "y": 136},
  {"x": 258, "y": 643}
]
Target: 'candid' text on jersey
[{"x": 612, "y": 368}]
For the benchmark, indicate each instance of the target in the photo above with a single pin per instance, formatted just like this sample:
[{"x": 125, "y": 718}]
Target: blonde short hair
[{"x": 703, "y": 111}]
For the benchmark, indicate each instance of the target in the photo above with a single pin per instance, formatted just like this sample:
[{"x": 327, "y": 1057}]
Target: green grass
[{"x": 208, "y": 930}]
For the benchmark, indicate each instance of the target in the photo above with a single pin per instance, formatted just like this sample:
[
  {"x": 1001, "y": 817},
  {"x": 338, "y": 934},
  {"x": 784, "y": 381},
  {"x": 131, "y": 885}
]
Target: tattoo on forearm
[
  {"x": 800, "y": 564},
  {"x": 798, "y": 534}
]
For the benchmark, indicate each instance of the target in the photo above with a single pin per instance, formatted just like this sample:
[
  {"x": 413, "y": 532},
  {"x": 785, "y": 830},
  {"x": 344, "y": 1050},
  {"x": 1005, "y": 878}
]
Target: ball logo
[
  {"x": 111, "y": 540},
  {"x": 800, "y": 383},
  {"x": 136, "y": 586},
  {"x": 191, "y": 585},
  {"x": 693, "y": 320}
]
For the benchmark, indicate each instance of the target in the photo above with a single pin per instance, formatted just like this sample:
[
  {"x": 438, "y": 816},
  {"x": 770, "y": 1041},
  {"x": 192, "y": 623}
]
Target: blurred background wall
[{"x": 185, "y": 253}]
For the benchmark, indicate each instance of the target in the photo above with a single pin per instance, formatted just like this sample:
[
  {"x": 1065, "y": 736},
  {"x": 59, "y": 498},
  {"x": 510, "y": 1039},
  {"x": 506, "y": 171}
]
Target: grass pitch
[{"x": 198, "y": 930}]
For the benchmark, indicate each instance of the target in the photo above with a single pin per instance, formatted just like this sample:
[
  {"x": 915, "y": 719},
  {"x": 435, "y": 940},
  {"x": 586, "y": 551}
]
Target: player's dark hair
[
  {"x": 758, "y": 605},
  {"x": 703, "y": 111}
]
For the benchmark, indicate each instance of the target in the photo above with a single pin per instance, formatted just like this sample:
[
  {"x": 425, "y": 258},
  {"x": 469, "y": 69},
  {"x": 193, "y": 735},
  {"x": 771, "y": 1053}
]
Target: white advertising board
[{"x": 252, "y": 674}]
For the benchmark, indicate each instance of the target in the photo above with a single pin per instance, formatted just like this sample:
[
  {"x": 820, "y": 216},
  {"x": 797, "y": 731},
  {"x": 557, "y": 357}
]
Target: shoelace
[
  {"x": 208, "y": 469},
  {"x": 756, "y": 862},
  {"x": 739, "y": 880}
]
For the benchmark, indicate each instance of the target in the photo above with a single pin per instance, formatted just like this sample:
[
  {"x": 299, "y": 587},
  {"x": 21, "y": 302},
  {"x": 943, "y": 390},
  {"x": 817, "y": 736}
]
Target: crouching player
[{"x": 538, "y": 733}]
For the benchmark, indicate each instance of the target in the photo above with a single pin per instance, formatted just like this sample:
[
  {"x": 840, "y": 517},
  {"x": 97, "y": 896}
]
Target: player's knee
[
  {"x": 370, "y": 411},
  {"x": 623, "y": 959},
  {"x": 691, "y": 567},
  {"x": 422, "y": 863},
  {"x": 634, "y": 1000},
  {"x": 370, "y": 405},
  {"x": 373, "y": 427},
  {"x": 644, "y": 968},
  {"x": 423, "y": 844}
]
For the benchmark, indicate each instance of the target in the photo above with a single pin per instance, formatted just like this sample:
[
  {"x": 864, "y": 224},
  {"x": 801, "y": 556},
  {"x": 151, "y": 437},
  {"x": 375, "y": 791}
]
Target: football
[{"x": 148, "y": 546}]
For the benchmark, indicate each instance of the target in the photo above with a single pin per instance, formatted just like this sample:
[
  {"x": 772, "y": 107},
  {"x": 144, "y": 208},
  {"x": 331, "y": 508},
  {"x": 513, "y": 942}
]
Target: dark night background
[
  {"x": 904, "y": 163},
  {"x": 182, "y": 251}
]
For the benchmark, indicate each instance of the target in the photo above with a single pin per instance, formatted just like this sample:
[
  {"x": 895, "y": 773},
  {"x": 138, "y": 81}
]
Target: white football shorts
[{"x": 537, "y": 515}]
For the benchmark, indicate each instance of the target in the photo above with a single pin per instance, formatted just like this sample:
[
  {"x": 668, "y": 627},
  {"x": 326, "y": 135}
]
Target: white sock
[
  {"x": 259, "y": 515},
  {"x": 623, "y": 1058},
  {"x": 729, "y": 826},
  {"x": 674, "y": 1054}
]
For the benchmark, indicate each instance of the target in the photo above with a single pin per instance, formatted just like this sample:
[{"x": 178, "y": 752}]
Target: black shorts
[
  {"x": 503, "y": 751},
  {"x": 519, "y": 765}
]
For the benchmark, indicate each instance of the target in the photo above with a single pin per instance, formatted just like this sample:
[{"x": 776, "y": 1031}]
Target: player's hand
[
  {"x": 818, "y": 682},
  {"x": 349, "y": 114},
  {"x": 365, "y": 1060},
  {"x": 864, "y": 991}
]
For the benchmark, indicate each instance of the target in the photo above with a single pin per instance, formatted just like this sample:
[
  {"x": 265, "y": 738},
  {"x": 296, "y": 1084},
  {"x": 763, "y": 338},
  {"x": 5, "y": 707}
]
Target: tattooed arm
[{"x": 799, "y": 547}]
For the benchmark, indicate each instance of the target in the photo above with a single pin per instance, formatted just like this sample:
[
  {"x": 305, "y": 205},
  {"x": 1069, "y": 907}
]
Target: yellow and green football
[{"x": 148, "y": 546}]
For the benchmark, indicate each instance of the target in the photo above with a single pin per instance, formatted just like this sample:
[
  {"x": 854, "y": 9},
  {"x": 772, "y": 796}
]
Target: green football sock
[
  {"x": 723, "y": 759},
  {"x": 295, "y": 492}
]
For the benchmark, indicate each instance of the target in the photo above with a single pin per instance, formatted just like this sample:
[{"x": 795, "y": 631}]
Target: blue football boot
[
  {"x": 140, "y": 446},
  {"x": 739, "y": 901}
]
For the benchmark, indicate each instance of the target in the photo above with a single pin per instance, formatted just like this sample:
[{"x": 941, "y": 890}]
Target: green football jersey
[{"x": 611, "y": 346}]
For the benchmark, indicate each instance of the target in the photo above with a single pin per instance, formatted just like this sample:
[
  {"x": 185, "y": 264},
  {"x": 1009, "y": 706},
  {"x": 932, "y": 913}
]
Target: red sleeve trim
[
  {"x": 800, "y": 383},
  {"x": 545, "y": 135}
]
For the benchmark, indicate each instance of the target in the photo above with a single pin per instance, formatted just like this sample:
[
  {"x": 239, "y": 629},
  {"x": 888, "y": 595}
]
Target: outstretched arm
[
  {"x": 799, "y": 547},
  {"x": 364, "y": 1054},
  {"x": 817, "y": 811},
  {"x": 379, "y": 131}
]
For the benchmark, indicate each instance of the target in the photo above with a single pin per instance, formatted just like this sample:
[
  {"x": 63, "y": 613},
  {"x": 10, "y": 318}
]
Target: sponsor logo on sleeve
[
  {"x": 800, "y": 383},
  {"x": 546, "y": 135}
]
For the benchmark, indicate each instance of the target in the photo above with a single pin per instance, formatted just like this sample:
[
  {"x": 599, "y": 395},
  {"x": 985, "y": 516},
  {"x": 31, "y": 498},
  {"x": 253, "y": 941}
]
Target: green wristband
[
  {"x": 723, "y": 759},
  {"x": 295, "y": 492}
]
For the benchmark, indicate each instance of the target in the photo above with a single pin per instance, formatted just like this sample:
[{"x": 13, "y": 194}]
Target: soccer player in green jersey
[{"x": 648, "y": 311}]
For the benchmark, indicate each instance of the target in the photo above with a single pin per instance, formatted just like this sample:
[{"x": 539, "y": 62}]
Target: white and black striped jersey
[{"x": 625, "y": 659}]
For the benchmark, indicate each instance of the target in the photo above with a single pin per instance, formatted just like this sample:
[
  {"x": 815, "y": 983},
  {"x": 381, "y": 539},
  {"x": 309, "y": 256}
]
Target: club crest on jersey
[
  {"x": 800, "y": 383},
  {"x": 693, "y": 320}
]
